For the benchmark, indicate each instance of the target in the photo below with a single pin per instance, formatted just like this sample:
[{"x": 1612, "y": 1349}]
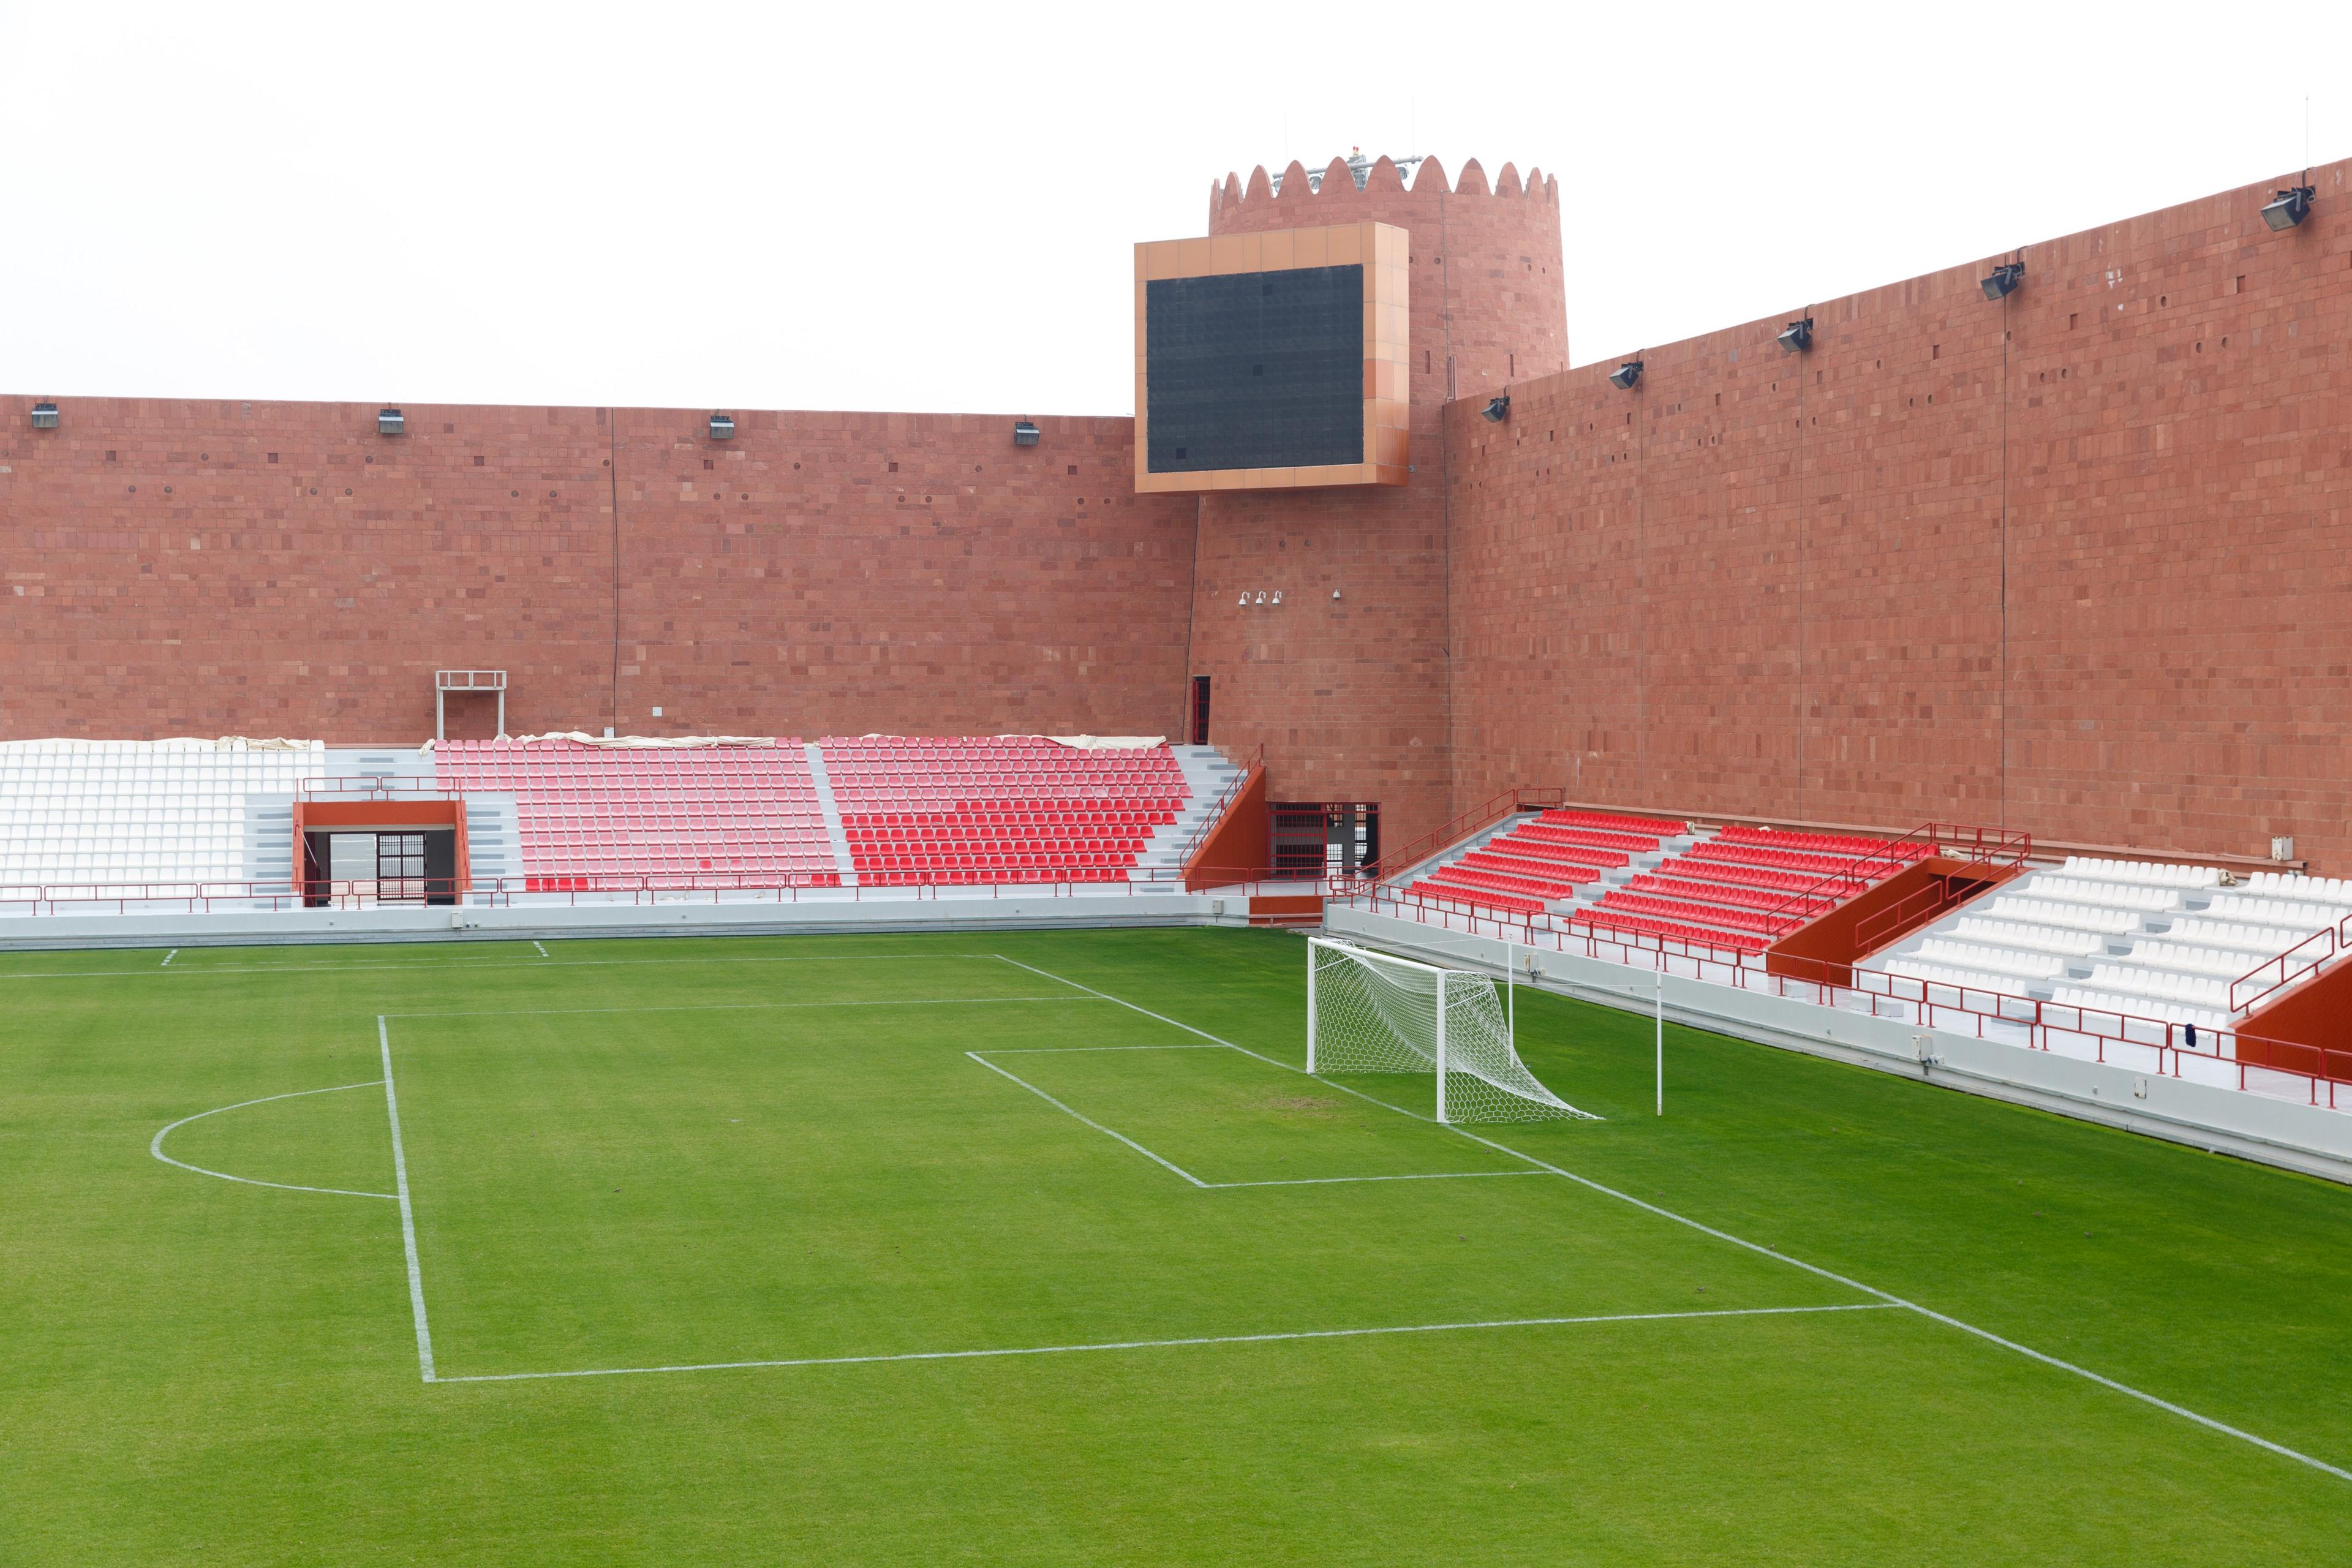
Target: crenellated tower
[{"x": 1345, "y": 681}]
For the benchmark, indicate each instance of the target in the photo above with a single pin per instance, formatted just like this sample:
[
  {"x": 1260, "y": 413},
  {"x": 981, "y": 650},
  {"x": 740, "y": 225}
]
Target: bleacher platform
[
  {"x": 2145, "y": 938},
  {"x": 590, "y": 815},
  {"x": 1015, "y": 809},
  {"x": 1737, "y": 888},
  {"x": 132, "y": 813}
]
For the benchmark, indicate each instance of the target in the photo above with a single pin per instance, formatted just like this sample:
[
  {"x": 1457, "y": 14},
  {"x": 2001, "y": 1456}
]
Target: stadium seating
[
  {"x": 1822, "y": 843},
  {"x": 1650, "y": 827},
  {"x": 2144, "y": 938},
  {"x": 1614, "y": 925},
  {"x": 962, "y": 812},
  {"x": 2316, "y": 890},
  {"x": 592, "y": 817},
  {"x": 129, "y": 813}
]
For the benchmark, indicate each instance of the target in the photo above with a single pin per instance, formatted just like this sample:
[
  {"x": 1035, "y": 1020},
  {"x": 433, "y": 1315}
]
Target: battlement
[{"x": 1346, "y": 179}]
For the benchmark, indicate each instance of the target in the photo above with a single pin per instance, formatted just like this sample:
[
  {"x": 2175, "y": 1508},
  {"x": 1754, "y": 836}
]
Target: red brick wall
[
  {"x": 281, "y": 568},
  {"x": 2073, "y": 562},
  {"x": 1349, "y": 696}
]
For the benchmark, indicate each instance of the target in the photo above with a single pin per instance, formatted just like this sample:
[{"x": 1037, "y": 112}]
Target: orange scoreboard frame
[{"x": 1379, "y": 250}]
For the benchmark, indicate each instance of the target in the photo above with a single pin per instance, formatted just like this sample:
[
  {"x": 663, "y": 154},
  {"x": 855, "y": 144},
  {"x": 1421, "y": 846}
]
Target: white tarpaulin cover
[
  {"x": 642, "y": 743},
  {"x": 175, "y": 743}
]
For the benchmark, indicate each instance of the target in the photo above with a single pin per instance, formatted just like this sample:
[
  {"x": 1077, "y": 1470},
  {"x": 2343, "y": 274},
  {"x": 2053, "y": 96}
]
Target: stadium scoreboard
[{"x": 1272, "y": 361}]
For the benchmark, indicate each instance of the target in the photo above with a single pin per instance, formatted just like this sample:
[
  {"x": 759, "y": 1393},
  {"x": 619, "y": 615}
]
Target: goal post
[{"x": 1371, "y": 1012}]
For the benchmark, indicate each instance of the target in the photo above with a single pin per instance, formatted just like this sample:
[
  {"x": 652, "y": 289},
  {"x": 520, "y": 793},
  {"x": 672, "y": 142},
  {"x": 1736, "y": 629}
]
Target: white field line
[
  {"x": 408, "y": 1211},
  {"x": 469, "y": 965},
  {"x": 1411, "y": 1176},
  {"x": 543, "y": 950},
  {"x": 982, "y": 1058},
  {"x": 1168, "y": 1164},
  {"x": 734, "y": 1007},
  {"x": 167, "y": 958},
  {"x": 155, "y": 1147},
  {"x": 1177, "y": 1343},
  {"x": 1203, "y": 1034},
  {"x": 1888, "y": 1298}
]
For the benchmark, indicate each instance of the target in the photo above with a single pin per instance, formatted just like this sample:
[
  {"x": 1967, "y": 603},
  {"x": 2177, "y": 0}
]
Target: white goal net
[{"x": 1367, "y": 1012}]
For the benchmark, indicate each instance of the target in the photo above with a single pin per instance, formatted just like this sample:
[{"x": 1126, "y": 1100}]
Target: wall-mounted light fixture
[
  {"x": 45, "y": 415},
  {"x": 389, "y": 422},
  {"x": 1335, "y": 593},
  {"x": 1796, "y": 337},
  {"x": 722, "y": 427},
  {"x": 1624, "y": 376},
  {"x": 1277, "y": 596},
  {"x": 2003, "y": 281},
  {"x": 2289, "y": 206},
  {"x": 1025, "y": 434},
  {"x": 1498, "y": 409}
]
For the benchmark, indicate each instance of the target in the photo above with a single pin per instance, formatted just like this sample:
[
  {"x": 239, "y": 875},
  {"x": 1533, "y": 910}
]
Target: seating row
[
  {"x": 1991, "y": 960},
  {"x": 2259, "y": 940},
  {"x": 2106, "y": 895},
  {"x": 2219, "y": 962},
  {"x": 2285, "y": 884},
  {"x": 1577, "y": 843},
  {"x": 2149, "y": 873},
  {"x": 2189, "y": 990},
  {"x": 1562, "y": 873},
  {"x": 1482, "y": 898},
  {"x": 2298, "y": 914},
  {"x": 2032, "y": 938},
  {"x": 1592, "y": 837},
  {"x": 1603, "y": 922},
  {"x": 1936, "y": 973},
  {"x": 2063, "y": 915},
  {"x": 1651, "y": 827},
  {"x": 2090, "y": 998},
  {"x": 1686, "y": 913},
  {"x": 1722, "y": 893},
  {"x": 1815, "y": 865},
  {"x": 1822, "y": 843}
]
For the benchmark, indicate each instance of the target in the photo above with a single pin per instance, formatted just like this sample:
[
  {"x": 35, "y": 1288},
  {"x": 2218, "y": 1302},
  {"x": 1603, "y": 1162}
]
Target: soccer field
[{"x": 1043, "y": 1249}]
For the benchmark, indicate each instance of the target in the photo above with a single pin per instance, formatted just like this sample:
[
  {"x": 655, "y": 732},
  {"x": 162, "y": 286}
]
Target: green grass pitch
[{"x": 926, "y": 1249}]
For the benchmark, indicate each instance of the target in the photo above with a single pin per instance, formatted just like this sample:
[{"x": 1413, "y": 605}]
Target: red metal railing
[
  {"x": 1395, "y": 863},
  {"x": 1990, "y": 847},
  {"x": 1224, "y": 804},
  {"x": 2289, "y": 966},
  {"x": 373, "y": 786},
  {"x": 558, "y": 889}
]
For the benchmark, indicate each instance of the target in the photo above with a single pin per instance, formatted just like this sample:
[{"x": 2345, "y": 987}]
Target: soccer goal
[{"x": 1368, "y": 1012}]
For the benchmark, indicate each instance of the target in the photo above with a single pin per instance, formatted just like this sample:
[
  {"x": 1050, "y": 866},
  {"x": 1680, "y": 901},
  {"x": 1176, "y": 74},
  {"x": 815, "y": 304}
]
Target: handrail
[
  {"x": 1478, "y": 817},
  {"x": 1224, "y": 804},
  {"x": 2010, "y": 849},
  {"x": 373, "y": 787},
  {"x": 2336, "y": 936},
  {"x": 1856, "y": 879}
]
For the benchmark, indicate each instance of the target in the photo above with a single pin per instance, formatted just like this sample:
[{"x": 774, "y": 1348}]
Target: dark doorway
[
  {"x": 1323, "y": 838},
  {"x": 1200, "y": 724}
]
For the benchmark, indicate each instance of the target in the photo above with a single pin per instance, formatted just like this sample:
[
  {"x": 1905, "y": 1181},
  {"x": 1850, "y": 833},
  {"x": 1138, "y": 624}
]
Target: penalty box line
[
  {"x": 1598, "y": 1318},
  {"x": 1171, "y": 1166},
  {"x": 1886, "y": 1296}
]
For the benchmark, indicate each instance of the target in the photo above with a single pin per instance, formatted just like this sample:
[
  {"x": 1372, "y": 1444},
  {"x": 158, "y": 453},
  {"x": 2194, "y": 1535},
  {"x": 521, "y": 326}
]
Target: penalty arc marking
[{"x": 155, "y": 1146}]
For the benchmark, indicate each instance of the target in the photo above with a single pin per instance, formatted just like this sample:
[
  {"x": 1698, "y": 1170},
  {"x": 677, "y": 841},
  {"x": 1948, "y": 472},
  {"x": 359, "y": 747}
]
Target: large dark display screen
[{"x": 1255, "y": 370}]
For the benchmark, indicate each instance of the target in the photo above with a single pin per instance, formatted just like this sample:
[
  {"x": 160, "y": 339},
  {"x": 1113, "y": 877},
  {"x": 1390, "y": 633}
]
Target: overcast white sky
[{"x": 896, "y": 207}]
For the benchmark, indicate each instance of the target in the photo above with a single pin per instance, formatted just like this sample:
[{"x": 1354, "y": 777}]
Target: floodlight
[
  {"x": 1496, "y": 410},
  {"x": 722, "y": 427},
  {"x": 388, "y": 421},
  {"x": 2289, "y": 206},
  {"x": 45, "y": 415},
  {"x": 2003, "y": 280},
  {"x": 1624, "y": 377},
  {"x": 1025, "y": 434},
  {"x": 1798, "y": 337}
]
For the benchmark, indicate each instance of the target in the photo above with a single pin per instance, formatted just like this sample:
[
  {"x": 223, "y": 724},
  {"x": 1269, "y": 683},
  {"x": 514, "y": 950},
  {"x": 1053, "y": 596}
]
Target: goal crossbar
[{"x": 1370, "y": 1012}]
